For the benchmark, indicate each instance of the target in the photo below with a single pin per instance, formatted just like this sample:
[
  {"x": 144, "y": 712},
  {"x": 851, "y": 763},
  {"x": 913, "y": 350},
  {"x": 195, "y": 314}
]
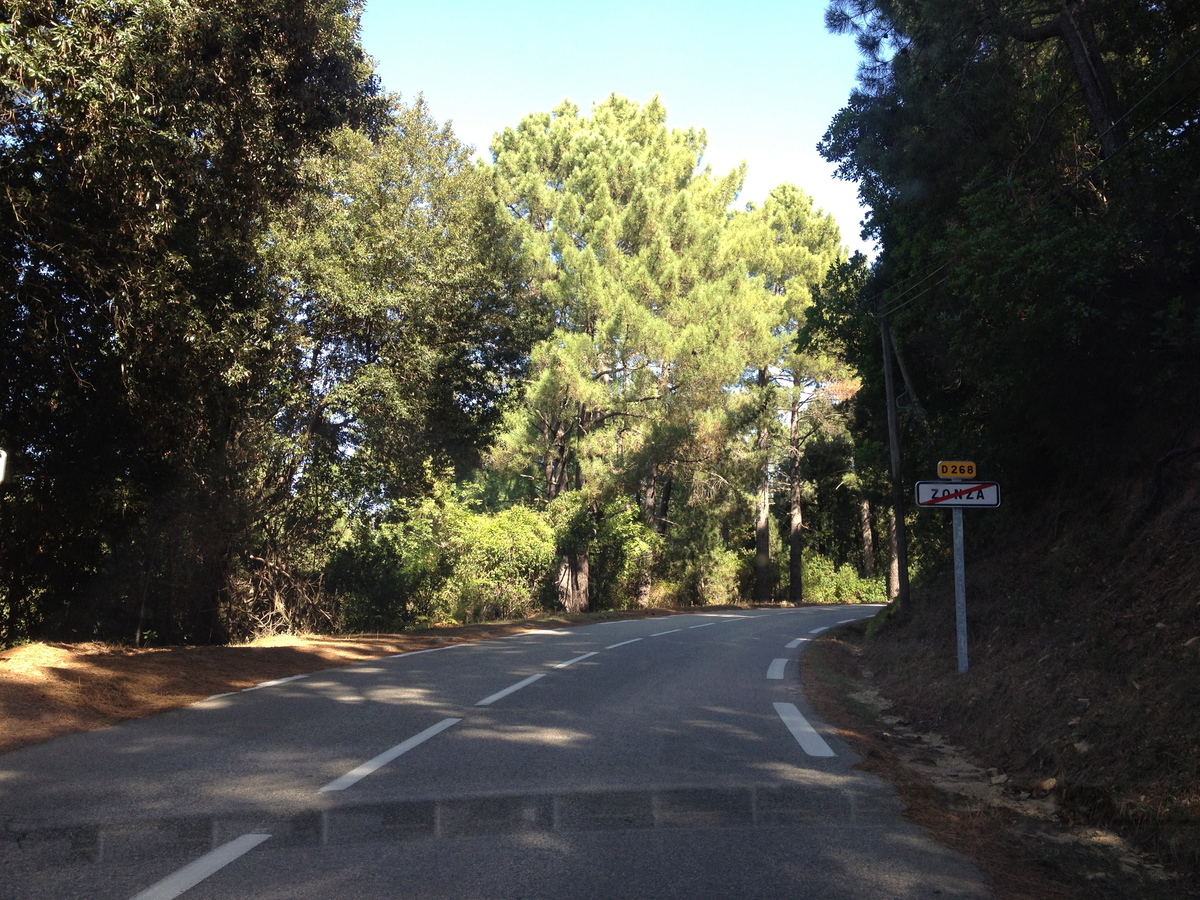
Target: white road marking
[
  {"x": 775, "y": 670},
  {"x": 512, "y": 688},
  {"x": 819, "y": 630},
  {"x": 357, "y": 774},
  {"x": 810, "y": 742},
  {"x": 538, "y": 631},
  {"x": 792, "y": 645},
  {"x": 672, "y": 631},
  {"x": 194, "y": 873},
  {"x": 267, "y": 684},
  {"x": 575, "y": 660},
  {"x": 622, "y": 644},
  {"x": 844, "y": 621},
  {"x": 419, "y": 652},
  {"x": 705, "y": 625}
]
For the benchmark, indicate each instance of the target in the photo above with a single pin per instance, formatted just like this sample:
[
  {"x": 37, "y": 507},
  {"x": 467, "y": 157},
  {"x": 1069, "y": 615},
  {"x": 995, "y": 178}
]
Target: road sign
[
  {"x": 952, "y": 468},
  {"x": 950, "y": 494}
]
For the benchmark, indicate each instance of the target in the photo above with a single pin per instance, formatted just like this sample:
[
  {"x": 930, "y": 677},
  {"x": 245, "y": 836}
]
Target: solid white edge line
[
  {"x": 570, "y": 662},
  {"x": 194, "y": 873},
  {"x": 559, "y": 631},
  {"x": 806, "y": 736},
  {"x": 775, "y": 670},
  {"x": 819, "y": 630},
  {"x": 705, "y": 625},
  {"x": 622, "y": 644},
  {"x": 672, "y": 631},
  {"x": 267, "y": 684},
  {"x": 488, "y": 701},
  {"x": 360, "y": 772},
  {"x": 419, "y": 652},
  {"x": 792, "y": 645}
]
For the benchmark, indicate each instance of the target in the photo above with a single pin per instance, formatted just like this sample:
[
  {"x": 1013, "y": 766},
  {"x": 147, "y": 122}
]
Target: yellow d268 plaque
[{"x": 952, "y": 468}]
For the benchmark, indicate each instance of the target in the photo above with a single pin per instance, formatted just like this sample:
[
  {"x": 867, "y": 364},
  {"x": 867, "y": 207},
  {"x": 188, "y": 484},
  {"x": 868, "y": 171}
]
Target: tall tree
[
  {"x": 143, "y": 143},
  {"x": 655, "y": 316},
  {"x": 399, "y": 333},
  {"x": 1031, "y": 170},
  {"x": 790, "y": 246}
]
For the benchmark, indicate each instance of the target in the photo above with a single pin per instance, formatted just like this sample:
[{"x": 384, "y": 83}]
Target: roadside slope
[{"x": 1084, "y": 624}]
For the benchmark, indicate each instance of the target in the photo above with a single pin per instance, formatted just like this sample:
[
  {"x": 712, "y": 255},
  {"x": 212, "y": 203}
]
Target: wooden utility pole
[{"x": 900, "y": 539}]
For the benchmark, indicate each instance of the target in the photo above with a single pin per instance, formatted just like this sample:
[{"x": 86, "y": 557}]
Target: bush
[
  {"x": 504, "y": 563},
  {"x": 621, "y": 549},
  {"x": 825, "y": 584}
]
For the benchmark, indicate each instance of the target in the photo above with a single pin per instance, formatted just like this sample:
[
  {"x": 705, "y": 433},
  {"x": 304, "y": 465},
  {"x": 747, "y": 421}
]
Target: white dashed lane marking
[
  {"x": 512, "y": 688},
  {"x": 194, "y": 873},
  {"x": 775, "y": 670},
  {"x": 806, "y": 736},
  {"x": 571, "y": 662},
  {"x": 360, "y": 772}
]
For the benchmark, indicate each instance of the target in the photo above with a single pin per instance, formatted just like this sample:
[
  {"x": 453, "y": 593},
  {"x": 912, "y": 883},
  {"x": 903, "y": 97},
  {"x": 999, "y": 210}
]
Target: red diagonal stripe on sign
[{"x": 956, "y": 494}]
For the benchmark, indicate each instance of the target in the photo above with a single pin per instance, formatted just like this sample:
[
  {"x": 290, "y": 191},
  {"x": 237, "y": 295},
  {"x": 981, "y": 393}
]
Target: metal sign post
[
  {"x": 956, "y": 493},
  {"x": 960, "y": 590}
]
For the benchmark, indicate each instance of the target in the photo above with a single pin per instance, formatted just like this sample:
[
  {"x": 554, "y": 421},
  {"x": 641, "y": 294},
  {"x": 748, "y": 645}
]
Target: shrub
[
  {"x": 823, "y": 583},
  {"x": 503, "y": 563}
]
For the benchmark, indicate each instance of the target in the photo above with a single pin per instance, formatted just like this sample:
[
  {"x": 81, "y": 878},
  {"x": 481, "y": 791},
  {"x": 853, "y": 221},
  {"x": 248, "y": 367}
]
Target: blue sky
[{"x": 762, "y": 77}]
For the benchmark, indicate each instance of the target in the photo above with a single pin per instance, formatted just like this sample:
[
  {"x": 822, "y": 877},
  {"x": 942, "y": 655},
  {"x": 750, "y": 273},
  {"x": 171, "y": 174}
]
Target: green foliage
[
  {"x": 503, "y": 563},
  {"x": 633, "y": 256},
  {"x": 391, "y": 575},
  {"x": 621, "y": 548},
  {"x": 825, "y": 583},
  {"x": 143, "y": 143},
  {"x": 443, "y": 562},
  {"x": 665, "y": 306},
  {"x": 1033, "y": 176},
  {"x": 1033, "y": 180}
]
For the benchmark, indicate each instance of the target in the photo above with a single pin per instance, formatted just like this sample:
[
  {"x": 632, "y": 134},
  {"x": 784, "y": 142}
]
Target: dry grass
[{"x": 49, "y": 690}]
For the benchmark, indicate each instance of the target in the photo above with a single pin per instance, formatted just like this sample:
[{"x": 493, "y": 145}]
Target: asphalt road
[{"x": 650, "y": 758}]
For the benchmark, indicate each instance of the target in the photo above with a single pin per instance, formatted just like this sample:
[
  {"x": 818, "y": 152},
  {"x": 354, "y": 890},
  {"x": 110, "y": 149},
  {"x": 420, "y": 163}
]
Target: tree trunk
[
  {"x": 665, "y": 509},
  {"x": 868, "y": 538},
  {"x": 573, "y": 582},
  {"x": 1073, "y": 26},
  {"x": 893, "y": 557},
  {"x": 762, "y": 525},
  {"x": 1079, "y": 36},
  {"x": 796, "y": 525},
  {"x": 650, "y": 494}
]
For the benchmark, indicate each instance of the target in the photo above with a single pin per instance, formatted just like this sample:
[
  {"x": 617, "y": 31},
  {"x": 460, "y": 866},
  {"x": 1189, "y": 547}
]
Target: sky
[{"x": 763, "y": 78}]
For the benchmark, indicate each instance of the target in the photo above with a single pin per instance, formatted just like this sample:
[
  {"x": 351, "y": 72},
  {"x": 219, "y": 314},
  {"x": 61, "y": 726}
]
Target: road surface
[{"x": 650, "y": 758}]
